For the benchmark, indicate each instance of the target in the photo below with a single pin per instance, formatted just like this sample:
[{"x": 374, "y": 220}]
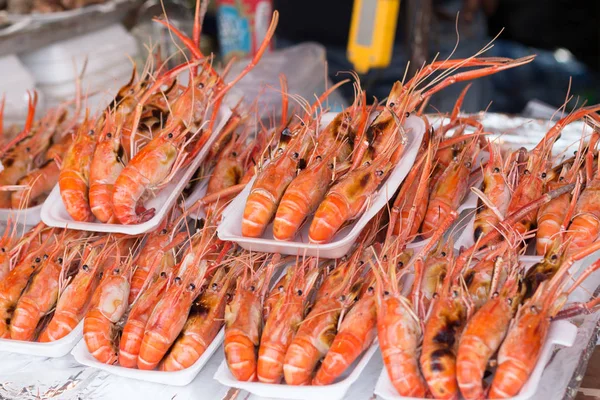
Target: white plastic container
[
  {"x": 104, "y": 49},
  {"x": 174, "y": 378},
  {"x": 28, "y": 216},
  {"x": 334, "y": 391},
  {"x": 17, "y": 81},
  {"x": 561, "y": 333},
  {"x": 231, "y": 226},
  {"x": 58, "y": 348},
  {"x": 55, "y": 214}
]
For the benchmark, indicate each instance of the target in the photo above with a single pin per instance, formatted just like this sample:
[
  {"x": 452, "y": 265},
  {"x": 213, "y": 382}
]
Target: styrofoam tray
[
  {"x": 230, "y": 228},
  {"x": 58, "y": 348},
  {"x": 561, "y": 333},
  {"x": 55, "y": 214},
  {"x": 334, "y": 391},
  {"x": 28, "y": 216},
  {"x": 173, "y": 378}
]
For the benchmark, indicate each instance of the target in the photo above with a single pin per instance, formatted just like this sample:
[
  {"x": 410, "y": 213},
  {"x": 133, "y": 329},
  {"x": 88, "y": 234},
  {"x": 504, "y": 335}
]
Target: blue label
[{"x": 234, "y": 31}]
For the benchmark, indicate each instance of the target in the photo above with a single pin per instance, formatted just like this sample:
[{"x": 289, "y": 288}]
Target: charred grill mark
[
  {"x": 436, "y": 359},
  {"x": 364, "y": 181}
]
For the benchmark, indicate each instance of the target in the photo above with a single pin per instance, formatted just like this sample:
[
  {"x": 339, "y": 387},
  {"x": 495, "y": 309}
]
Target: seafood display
[
  {"x": 450, "y": 321},
  {"x": 31, "y": 156}
]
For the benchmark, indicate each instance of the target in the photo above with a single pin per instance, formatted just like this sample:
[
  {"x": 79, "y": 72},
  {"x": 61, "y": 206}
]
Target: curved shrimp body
[
  {"x": 36, "y": 301},
  {"x": 408, "y": 201},
  {"x": 549, "y": 220},
  {"x": 146, "y": 171},
  {"x": 75, "y": 172},
  {"x": 134, "y": 328},
  {"x": 448, "y": 193},
  {"x": 519, "y": 352},
  {"x": 357, "y": 332},
  {"x": 482, "y": 337},
  {"x": 109, "y": 304},
  {"x": 303, "y": 196},
  {"x": 347, "y": 199},
  {"x": 312, "y": 341},
  {"x": 107, "y": 165},
  {"x": 399, "y": 333},
  {"x": 282, "y": 324},
  {"x": 438, "y": 357},
  {"x": 74, "y": 300},
  {"x": 271, "y": 183},
  {"x": 39, "y": 183},
  {"x": 171, "y": 312},
  {"x": 584, "y": 228},
  {"x": 203, "y": 324},
  {"x": 243, "y": 323},
  {"x": 497, "y": 190},
  {"x": 229, "y": 168},
  {"x": 11, "y": 288}
]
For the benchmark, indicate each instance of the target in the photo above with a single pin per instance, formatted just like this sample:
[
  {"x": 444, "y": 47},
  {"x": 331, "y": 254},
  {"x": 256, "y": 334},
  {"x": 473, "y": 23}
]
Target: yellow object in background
[{"x": 372, "y": 33}]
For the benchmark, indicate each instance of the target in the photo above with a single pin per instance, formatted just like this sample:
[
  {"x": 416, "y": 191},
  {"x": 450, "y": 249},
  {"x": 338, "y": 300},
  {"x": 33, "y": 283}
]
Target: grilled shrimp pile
[
  {"x": 31, "y": 156},
  {"x": 331, "y": 174},
  {"x": 152, "y": 129}
]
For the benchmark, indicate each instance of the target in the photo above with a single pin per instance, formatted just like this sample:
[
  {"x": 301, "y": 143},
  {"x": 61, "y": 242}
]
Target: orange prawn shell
[
  {"x": 148, "y": 169},
  {"x": 36, "y": 301},
  {"x": 75, "y": 172}
]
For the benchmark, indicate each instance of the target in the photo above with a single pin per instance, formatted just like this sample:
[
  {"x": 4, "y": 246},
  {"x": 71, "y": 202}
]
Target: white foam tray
[
  {"x": 173, "y": 378},
  {"x": 55, "y": 214},
  {"x": 334, "y": 391},
  {"x": 561, "y": 333},
  {"x": 230, "y": 228},
  {"x": 58, "y": 348},
  {"x": 28, "y": 216}
]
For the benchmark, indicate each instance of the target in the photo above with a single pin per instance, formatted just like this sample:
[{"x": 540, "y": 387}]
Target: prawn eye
[
  {"x": 109, "y": 135},
  {"x": 331, "y": 166},
  {"x": 400, "y": 264},
  {"x": 296, "y": 155},
  {"x": 286, "y": 132},
  {"x": 553, "y": 257},
  {"x": 60, "y": 260},
  {"x": 85, "y": 267},
  {"x": 279, "y": 151},
  {"x": 370, "y": 289},
  {"x": 496, "y": 170},
  {"x": 28, "y": 149},
  {"x": 407, "y": 115},
  {"x": 544, "y": 175},
  {"x": 252, "y": 288},
  {"x": 342, "y": 297},
  {"x": 234, "y": 153},
  {"x": 45, "y": 256},
  {"x": 91, "y": 132},
  {"x": 170, "y": 135},
  {"x": 392, "y": 104},
  {"x": 495, "y": 294},
  {"x": 454, "y": 293},
  {"x": 386, "y": 293},
  {"x": 37, "y": 259},
  {"x": 526, "y": 172},
  {"x": 533, "y": 309},
  {"x": 3, "y": 250},
  {"x": 443, "y": 253},
  {"x": 468, "y": 164},
  {"x": 192, "y": 286},
  {"x": 214, "y": 286},
  {"x": 100, "y": 275},
  {"x": 435, "y": 295},
  {"x": 318, "y": 158},
  {"x": 302, "y": 123},
  {"x": 367, "y": 163},
  {"x": 163, "y": 274},
  {"x": 280, "y": 288},
  {"x": 509, "y": 301},
  {"x": 177, "y": 279},
  {"x": 201, "y": 85},
  {"x": 361, "y": 263},
  {"x": 116, "y": 271},
  {"x": 163, "y": 232},
  {"x": 299, "y": 292},
  {"x": 385, "y": 257},
  {"x": 379, "y": 173},
  {"x": 561, "y": 179}
]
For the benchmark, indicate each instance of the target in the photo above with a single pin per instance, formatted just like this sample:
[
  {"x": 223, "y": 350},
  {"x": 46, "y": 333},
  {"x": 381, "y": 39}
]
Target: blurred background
[{"x": 56, "y": 38}]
